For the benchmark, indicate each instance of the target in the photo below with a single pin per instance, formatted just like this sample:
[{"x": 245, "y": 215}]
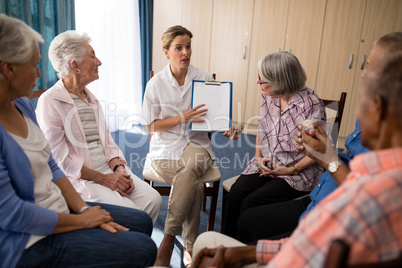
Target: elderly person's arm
[
  {"x": 321, "y": 150},
  {"x": 270, "y": 168},
  {"x": 54, "y": 126},
  {"x": 91, "y": 217},
  {"x": 225, "y": 257},
  {"x": 95, "y": 217},
  {"x": 119, "y": 181}
]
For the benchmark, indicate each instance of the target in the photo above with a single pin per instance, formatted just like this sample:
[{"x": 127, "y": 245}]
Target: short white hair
[
  {"x": 67, "y": 46},
  {"x": 16, "y": 40}
]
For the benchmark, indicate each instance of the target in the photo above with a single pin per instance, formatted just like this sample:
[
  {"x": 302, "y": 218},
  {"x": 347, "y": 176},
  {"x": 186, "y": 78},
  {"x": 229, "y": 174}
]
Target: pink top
[
  {"x": 278, "y": 130},
  {"x": 60, "y": 122}
]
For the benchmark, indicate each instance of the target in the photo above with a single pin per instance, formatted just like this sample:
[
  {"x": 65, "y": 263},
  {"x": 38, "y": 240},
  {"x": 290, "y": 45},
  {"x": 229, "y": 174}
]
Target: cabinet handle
[
  {"x": 363, "y": 62},
  {"x": 244, "y": 52},
  {"x": 350, "y": 61}
]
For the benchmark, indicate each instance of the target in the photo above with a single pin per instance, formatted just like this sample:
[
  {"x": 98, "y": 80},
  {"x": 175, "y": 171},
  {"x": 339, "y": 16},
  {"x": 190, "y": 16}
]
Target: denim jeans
[{"x": 97, "y": 247}]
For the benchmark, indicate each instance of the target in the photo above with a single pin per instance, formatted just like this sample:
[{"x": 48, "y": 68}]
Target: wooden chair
[
  {"x": 337, "y": 255},
  {"x": 339, "y": 252},
  {"x": 333, "y": 123},
  {"x": 335, "y": 107},
  {"x": 211, "y": 180},
  {"x": 36, "y": 94}
]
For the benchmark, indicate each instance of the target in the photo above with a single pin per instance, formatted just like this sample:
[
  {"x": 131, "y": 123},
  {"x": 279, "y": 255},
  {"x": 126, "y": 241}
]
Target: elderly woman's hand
[
  {"x": 118, "y": 181},
  {"x": 264, "y": 164},
  {"x": 193, "y": 114},
  {"x": 276, "y": 169},
  {"x": 233, "y": 135},
  {"x": 316, "y": 147},
  {"x": 97, "y": 217}
]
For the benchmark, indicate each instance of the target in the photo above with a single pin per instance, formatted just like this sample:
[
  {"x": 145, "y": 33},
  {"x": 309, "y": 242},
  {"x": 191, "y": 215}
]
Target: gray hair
[
  {"x": 65, "y": 47},
  {"x": 284, "y": 70},
  {"x": 387, "y": 83},
  {"x": 390, "y": 43},
  {"x": 16, "y": 40}
]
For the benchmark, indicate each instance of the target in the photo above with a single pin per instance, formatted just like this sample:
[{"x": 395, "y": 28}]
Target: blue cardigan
[{"x": 19, "y": 216}]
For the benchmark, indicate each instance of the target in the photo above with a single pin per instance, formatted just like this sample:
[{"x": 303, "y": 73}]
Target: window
[{"x": 114, "y": 29}]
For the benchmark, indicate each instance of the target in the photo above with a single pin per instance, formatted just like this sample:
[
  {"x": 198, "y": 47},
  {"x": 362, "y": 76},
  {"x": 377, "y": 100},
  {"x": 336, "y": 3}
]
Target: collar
[
  {"x": 61, "y": 94},
  {"x": 167, "y": 74},
  {"x": 296, "y": 100}
]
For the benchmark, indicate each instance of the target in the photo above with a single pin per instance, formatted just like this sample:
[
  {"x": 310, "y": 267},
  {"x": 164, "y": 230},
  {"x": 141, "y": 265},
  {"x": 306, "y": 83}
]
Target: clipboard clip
[{"x": 213, "y": 83}]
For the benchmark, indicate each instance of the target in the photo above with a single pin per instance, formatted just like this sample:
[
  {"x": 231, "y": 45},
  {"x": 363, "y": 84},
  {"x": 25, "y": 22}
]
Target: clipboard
[{"x": 217, "y": 97}]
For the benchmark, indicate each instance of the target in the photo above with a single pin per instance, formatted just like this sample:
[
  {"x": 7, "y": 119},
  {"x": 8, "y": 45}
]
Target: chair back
[
  {"x": 36, "y": 94},
  {"x": 338, "y": 254},
  {"x": 334, "y": 115}
]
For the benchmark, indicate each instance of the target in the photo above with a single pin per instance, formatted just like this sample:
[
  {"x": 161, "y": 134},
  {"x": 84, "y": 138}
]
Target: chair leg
[
  {"x": 212, "y": 210},
  {"x": 204, "y": 203},
  {"x": 223, "y": 218}
]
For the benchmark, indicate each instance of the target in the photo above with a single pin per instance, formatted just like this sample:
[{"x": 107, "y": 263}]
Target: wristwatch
[{"x": 333, "y": 166}]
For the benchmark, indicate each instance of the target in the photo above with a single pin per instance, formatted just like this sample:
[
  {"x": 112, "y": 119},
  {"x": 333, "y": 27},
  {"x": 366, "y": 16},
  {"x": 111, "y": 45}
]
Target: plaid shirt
[{"x": 365, "y": 211}]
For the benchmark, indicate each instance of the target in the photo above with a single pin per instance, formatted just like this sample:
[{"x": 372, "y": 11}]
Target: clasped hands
[
  {"x": 97, "y": 217},
  {"x": 317, "y": 146},
  {"x": 222, "y": 257},
  {"x": 119, "y": 181}
]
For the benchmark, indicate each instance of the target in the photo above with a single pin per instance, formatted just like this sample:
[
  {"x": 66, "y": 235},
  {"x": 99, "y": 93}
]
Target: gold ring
[{"x": 118, "y": 189}]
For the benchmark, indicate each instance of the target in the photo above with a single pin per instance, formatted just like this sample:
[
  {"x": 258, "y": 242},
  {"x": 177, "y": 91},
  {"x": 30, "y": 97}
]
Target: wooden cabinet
[
  {"x": 294, "y": 26},
  {"x": 166, "y": 14},
  {"x": 230, "y": 47},
  {"x": 196, "y": 16},
  {"x": 350, "y": 29}
]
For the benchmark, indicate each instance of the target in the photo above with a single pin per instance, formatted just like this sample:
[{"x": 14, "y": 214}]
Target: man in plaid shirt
[{"x": 366, "y": 210}]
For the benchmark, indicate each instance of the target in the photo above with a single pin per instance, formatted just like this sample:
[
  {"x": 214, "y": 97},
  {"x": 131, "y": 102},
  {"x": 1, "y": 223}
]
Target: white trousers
[{"x": 143, "y": 197}]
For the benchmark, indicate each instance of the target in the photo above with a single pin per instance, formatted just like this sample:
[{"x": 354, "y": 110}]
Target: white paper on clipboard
[{"x": 217, "y": 97}]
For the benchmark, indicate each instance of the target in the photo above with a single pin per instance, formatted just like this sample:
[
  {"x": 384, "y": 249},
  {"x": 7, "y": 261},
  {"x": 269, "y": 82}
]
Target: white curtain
[{"x": 114, "y": 29}]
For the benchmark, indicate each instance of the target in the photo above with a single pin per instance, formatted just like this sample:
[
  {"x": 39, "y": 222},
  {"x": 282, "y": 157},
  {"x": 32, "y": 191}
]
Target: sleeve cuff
[{"x": 266, "y": 250}]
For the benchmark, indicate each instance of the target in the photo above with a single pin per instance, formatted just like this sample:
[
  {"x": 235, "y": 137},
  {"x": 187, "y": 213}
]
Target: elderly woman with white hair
[
  {"x": 278, "y": 172},
  {"x": 72, "y": 120},
  {"x": 43, "y": 220}
]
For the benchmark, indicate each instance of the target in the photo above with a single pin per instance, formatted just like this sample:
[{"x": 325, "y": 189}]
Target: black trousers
[
  {"x": 273, "y": 221},
  {"x": 251, "y": 191}
]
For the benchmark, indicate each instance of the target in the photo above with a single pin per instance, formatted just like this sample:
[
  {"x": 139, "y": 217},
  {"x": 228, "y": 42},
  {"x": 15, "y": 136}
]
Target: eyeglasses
[{"x": 261, "y": 83}]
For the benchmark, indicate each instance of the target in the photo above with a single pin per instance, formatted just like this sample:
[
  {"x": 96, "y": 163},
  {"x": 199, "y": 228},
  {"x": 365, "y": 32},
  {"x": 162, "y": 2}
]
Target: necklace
[{"x": 85, "y": 101}]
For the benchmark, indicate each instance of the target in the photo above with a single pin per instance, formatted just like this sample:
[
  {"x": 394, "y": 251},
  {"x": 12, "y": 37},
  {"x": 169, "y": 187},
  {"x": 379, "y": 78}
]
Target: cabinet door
[
  {"x": 268, "y": 36},
  {"x": 164, "y": 17},
  {"x": 381, "y": 17},
  {"x": 230, "y": 45},
  {"x": 197, "y": 17},
  {"x": 304, "y": 34},
  {"x": 339, "y": 49}
]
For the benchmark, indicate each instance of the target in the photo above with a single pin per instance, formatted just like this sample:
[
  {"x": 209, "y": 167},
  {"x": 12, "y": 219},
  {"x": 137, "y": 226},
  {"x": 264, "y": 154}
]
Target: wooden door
[
  {"x": 381, "y": 17},
  {"x": 197, "y": 17},
  {"x": 230, "y": 47},
  {"x": 304, "y": 34},
  {"x": 268, "y": 36},
  {"x": 339, "y": 50},
  {"x": 166, "y": 14}
]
